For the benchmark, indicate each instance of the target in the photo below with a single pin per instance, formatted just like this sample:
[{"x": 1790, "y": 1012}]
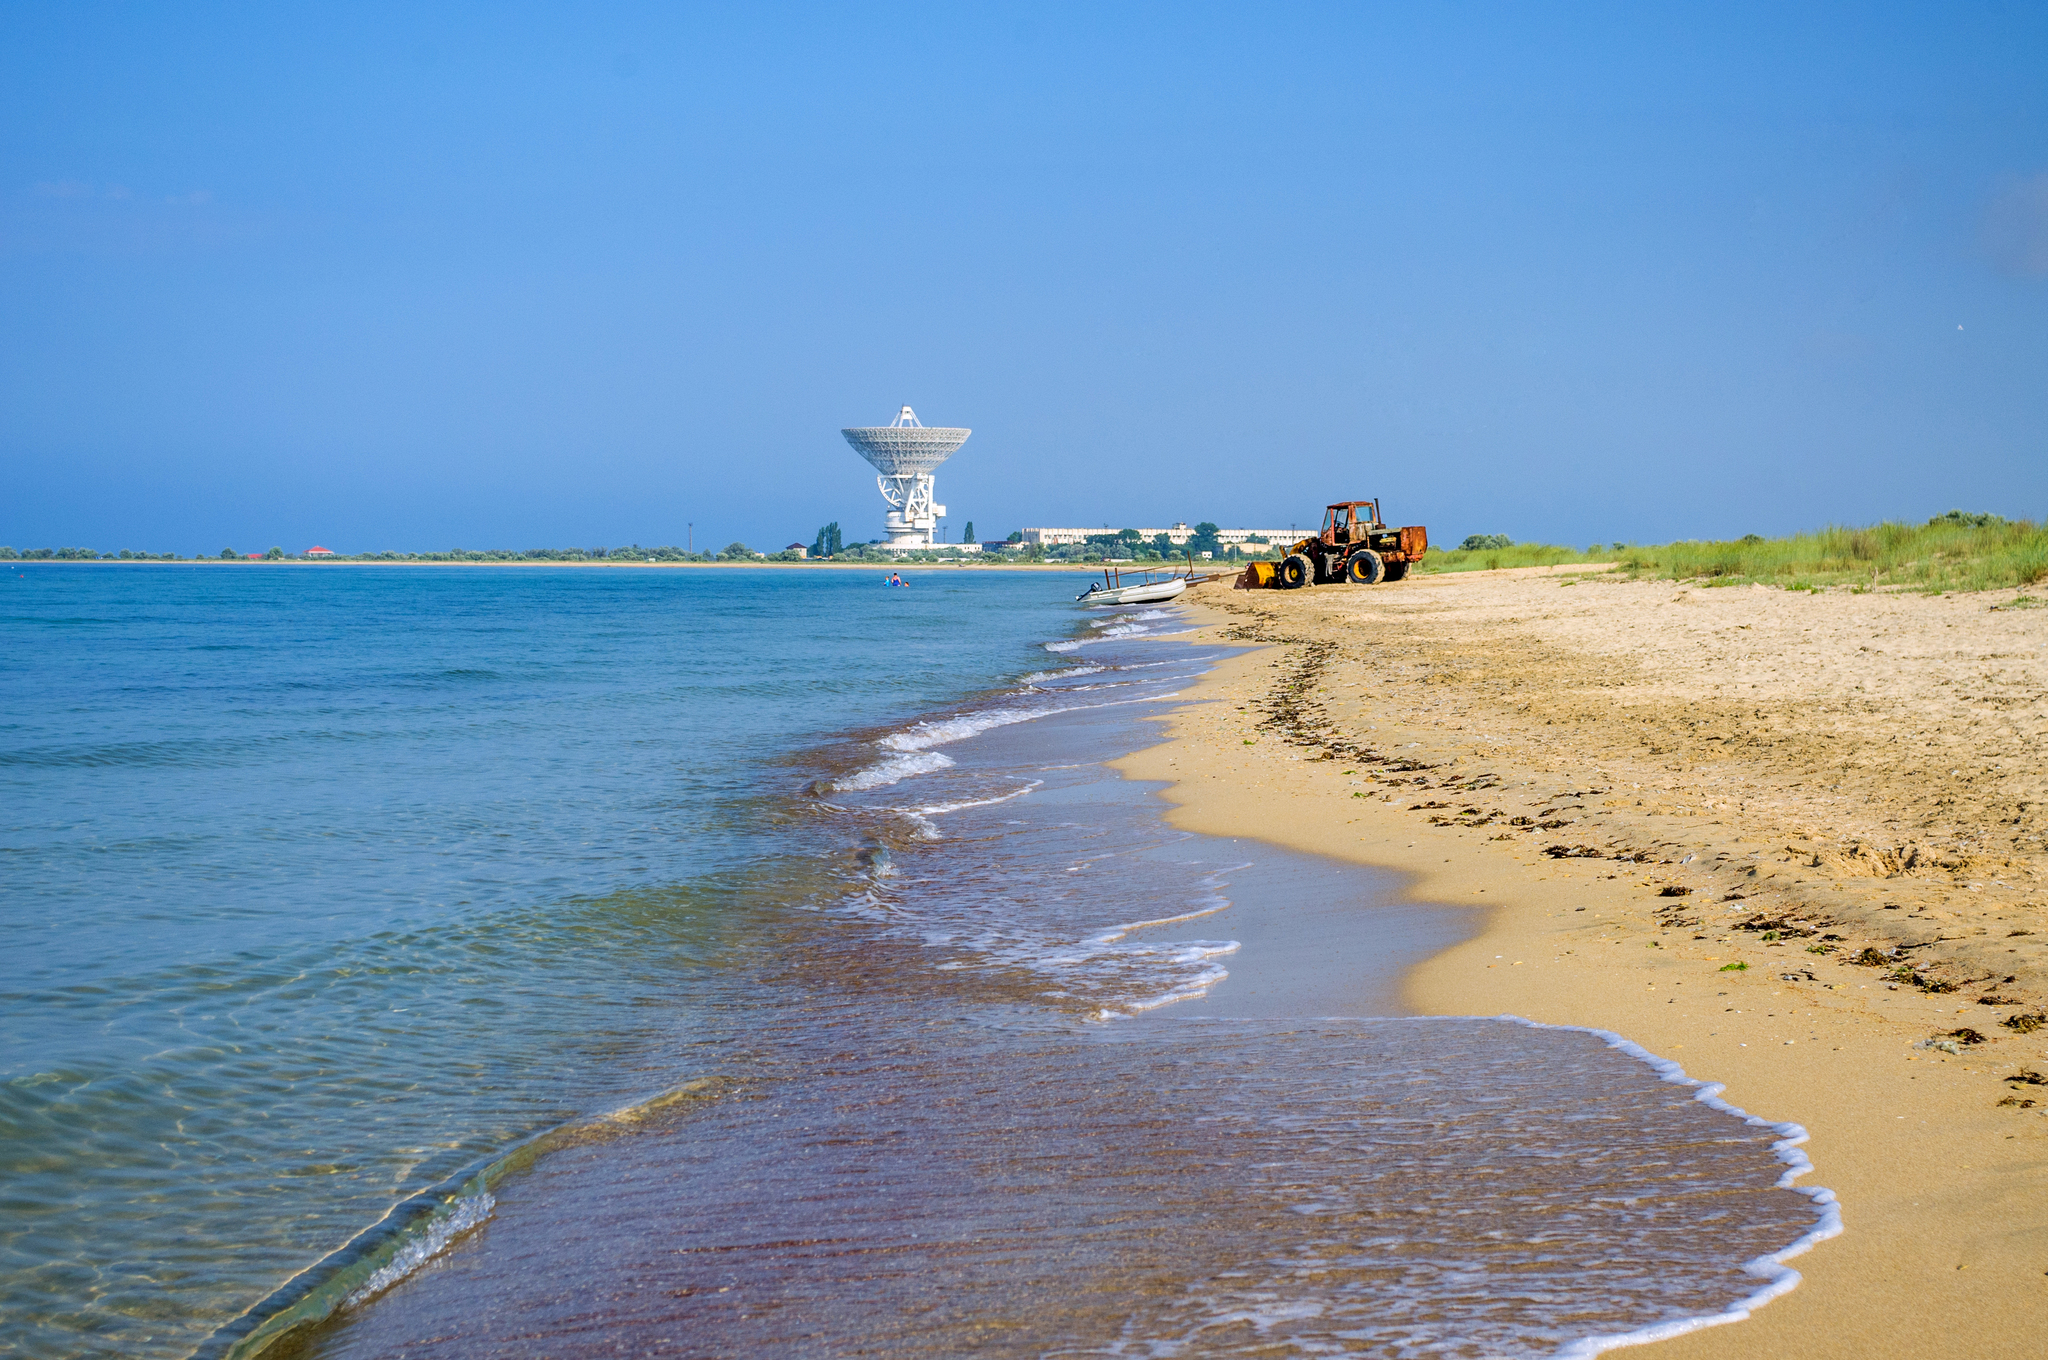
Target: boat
[
  {"x": 1110, "y": 590},
  {"x": 1151, "y": 587}
]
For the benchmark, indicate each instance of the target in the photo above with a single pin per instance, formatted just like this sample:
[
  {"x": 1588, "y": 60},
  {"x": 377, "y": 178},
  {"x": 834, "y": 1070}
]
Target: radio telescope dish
[{"x": 905, "y": 454}]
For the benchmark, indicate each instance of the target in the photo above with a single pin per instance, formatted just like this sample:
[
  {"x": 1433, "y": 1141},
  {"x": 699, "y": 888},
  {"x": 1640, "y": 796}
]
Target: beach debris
[
  {"x": 2021, "y": 1101},
  {"x": 2026, "y": 1076},
  {"x": 1966, "y": 1035},
  {"x": 1775, "y": 928},
  {"x": 1994, "y": 999},
  {"x": 1943, "y": 1046},
  {"x": 1737, "y": 967},
  {"x": 2024, "y": 1024},
  {"x": 1673, "y": 890},
  {"x": 1874, "y": 958},
  {"x": 1573, "y": 852}
]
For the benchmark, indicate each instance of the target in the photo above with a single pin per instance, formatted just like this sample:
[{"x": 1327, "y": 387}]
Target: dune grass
[
  {"x": 1956, "y": 551},
  {"x": 1517, "y": 555}
]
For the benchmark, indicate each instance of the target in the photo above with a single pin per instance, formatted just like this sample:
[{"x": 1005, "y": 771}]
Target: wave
[
  {"x": 1036, "y": 677},
  {"x": 1114, "y": 619},
  {"x": 1117, "y": 629},
  {"x": 415, "y": 1231},
  {"x": 893, "y": 770},
  {"x": 1779, "y": 1278}
]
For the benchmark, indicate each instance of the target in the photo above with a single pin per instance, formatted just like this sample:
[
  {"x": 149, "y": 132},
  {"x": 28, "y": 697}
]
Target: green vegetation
[
  {"x": 1512, "y": 555},
  {"x": 1955, "y": 551},
  {"x": 82, "y": 555}
]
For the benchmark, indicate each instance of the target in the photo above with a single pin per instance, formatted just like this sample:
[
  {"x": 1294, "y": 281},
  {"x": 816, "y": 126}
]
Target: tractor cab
[{"x": 1349, "y": 522}]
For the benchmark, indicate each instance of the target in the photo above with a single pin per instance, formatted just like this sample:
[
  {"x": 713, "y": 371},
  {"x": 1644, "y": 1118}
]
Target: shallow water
[
  {"x": 322, "y": 884},
  {"x": 972, "y": 1051}
]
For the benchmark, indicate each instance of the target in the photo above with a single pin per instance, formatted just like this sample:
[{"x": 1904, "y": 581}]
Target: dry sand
[{"x": 1649, "y": 783}]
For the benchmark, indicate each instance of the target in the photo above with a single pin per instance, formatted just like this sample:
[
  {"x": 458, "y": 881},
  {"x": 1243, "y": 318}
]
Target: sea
[{"x": 469, "y": 961}]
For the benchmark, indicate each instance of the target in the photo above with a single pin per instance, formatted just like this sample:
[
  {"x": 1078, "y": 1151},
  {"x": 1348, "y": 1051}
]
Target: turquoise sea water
[
  {"x": 321, "y": 883},
  {"x": 865, "y": 1010}
]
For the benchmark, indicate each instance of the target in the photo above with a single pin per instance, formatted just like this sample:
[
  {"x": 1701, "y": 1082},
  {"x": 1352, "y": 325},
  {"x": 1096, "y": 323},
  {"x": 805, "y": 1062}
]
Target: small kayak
[{"x": 1148, "y": 592}]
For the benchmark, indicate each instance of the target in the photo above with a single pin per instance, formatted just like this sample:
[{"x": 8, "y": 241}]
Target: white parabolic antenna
[{"x": 905, "y": 454}]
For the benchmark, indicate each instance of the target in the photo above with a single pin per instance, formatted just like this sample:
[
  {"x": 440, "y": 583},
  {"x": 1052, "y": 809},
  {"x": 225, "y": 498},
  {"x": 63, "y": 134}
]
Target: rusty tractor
[{"x": 1355, "y": 546}]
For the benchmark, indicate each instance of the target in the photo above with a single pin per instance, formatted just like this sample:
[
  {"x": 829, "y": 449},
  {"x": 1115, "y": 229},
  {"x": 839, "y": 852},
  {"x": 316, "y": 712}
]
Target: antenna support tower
[{"x": 905, "y": 454}]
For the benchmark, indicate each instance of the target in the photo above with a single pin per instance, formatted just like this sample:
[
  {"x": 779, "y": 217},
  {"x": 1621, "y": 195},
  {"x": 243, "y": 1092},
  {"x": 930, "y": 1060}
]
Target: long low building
[{"x": 1177, "y": 535}]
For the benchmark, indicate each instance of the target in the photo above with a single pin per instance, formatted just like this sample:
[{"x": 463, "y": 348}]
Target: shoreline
[{"x": 1943, "y": 1190}]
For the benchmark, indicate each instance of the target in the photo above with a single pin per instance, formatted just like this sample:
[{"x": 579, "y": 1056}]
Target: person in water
[{"x": 895, "y": 579}]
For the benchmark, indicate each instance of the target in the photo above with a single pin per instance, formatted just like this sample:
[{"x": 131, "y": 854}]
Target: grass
[
  {"x": 1955, "y": 551},
  {"x": 1952, "y": 552},
  {"x": 1519, "y": 555}
]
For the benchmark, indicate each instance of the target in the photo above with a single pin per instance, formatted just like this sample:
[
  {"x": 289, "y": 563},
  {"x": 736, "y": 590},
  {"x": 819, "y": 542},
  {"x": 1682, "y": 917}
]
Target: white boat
[{"x": 1108, "y": 591}]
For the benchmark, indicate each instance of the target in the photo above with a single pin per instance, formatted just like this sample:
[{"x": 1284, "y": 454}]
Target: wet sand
[
  {"x": 1649, "y": 783},
  {"x": 917, "y": 1151}
]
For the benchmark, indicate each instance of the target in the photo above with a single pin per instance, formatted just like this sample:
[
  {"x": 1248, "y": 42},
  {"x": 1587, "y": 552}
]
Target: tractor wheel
[
  {"x": 1396, "y": 570},
  {"x": 1295, "y": 572},
  {"x": 1365, "y": 568}
]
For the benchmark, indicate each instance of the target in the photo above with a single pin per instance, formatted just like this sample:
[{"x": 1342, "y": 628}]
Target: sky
[{"x": 505, "y": 275}]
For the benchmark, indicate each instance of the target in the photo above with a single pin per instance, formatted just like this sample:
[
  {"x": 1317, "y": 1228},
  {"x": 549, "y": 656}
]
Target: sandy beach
[{"x": 1792, "y": 841}]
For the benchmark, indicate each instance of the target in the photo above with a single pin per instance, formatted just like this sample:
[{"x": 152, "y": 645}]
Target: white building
[{"x": 1178, "y": 535}]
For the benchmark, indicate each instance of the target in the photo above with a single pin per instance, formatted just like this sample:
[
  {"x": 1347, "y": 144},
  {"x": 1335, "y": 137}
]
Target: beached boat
[{"x": 1109, "y": 590}]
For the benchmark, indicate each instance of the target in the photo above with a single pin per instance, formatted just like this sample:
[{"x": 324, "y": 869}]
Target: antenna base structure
[{"x": 905, "y": 453}]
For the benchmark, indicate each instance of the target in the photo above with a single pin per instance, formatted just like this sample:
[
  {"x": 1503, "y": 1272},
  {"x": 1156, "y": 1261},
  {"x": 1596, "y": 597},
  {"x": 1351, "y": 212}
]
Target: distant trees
[
  {"x": 1204, "y": 539},
  {"x": 968, "y": 537},
  {"x": 1485, "y": 542},
  {"x": 736, "y": 551},
  {"x": 228, "y": 554},
  {"x": 828, "y": 543},
  {"x": 274, "y": 555}
]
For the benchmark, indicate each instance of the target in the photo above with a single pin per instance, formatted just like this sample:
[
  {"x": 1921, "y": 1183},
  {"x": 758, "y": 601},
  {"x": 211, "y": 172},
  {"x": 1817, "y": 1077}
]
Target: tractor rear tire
[
  {"x": 1396, "y": 570},
  {"x": 1295, "y": 572},
  {"x": 1365, "y": 568}
]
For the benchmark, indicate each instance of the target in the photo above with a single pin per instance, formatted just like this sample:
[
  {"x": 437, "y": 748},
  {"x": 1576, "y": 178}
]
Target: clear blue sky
[{"x": 513, "y": 276}]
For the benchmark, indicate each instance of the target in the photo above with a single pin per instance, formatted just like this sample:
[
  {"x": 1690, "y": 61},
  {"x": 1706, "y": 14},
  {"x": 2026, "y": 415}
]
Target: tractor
[{"x": 1354, "y": 546}]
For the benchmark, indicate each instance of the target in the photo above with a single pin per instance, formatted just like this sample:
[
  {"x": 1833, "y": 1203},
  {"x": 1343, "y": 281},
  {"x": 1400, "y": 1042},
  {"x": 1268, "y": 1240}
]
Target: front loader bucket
[{"x": 1257, "y": 576}]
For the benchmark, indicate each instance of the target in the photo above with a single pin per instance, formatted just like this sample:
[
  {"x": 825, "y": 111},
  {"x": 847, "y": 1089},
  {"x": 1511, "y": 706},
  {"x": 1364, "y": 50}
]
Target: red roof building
[{"x": 317, "y": 551}]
